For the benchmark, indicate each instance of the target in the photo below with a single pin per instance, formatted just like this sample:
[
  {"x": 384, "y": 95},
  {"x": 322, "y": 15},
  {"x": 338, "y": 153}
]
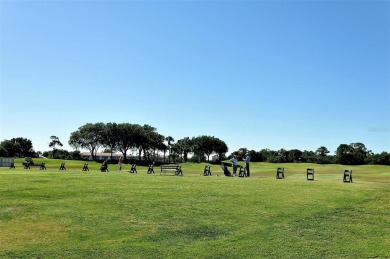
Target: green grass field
[{"x": 74, "y": 214}]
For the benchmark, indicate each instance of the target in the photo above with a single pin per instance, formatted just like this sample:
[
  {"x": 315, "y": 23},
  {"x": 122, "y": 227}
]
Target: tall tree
[
  {"x": 169, "y": 139},
  {"x": 220, "y": 149},
  {"x": 147, "y": 140},
  {"x": 294, "y": 155},
  {"x": 241, "y": 153},
  {"x": 3, "y": 151},
  {"x": 162, "y": 147},
  {"x": 18, "y": 147},
  {"x": 352, "y": 154},
  {"x": 9, "y": 146},
  {"x": 282, "y": 155},
  {"x": 175, "y": 152},
  {"x": 360, "y": 153},
  {"x": 207, "y": 145},
  {"x": 321, "y": 154},
  {"x": 308, "y": 156},
  {"x": 109, "y": 137},
  {"x": 156, "y": 141},
  {"x": 185, "y": 146},
  {"x": 344, "y": 154},
  {"x": 88, "y": 136},
  {"x": 127, "y": 137},
  {"x": 55, "y": 141},
  {"x": 380, "y": 159}
]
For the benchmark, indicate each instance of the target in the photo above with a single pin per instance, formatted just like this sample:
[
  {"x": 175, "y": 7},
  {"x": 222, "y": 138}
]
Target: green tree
[
  {"x": 380, "y": 159},
  {"x": 55, "y": 141},
  {"x": 9, "y": 146},
  {"x": 266, "y": 154},
  {"x": 18, "y": 147},
  {"x": 360, "y": 153},
  {"x": 197, "y": 149},
  {"x": 282, "y": 156},
  {"x": 322, "y": 153},
  {"x": 156, "y": 144},
  {"x": 169, "y": 139},
  {"x": 109, "y": 137},
  {"x": 175, "y": 152},
  {"x": 294, "y": 155},
  {"x": 344, "y": 154},
  {"x": 127, "y": 137},
  {"x": 88, "y": 136},
  {"x": 308, "y": 157},
  {"x": 255, "y": 156},
  {"x": 207, "y": 145},
  {"x": 352, "y": 154},
  {"x": 3, "y": 151},
  {"x": 220, "y": 148},
  {"x": 148, "y": 141},
  {"x": 162, "y": 147}
]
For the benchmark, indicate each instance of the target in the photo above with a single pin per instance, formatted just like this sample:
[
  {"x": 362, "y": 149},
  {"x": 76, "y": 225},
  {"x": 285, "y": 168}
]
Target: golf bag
[
  {"x": 104, "y": 168},
  {"x": 225, "y": 170}
]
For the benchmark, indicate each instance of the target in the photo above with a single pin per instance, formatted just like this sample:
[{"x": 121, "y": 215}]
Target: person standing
[
  {"x": 234, "y": 161},
  {"x": 120, "y": 163},
  {"x": 247, "y": 161}
]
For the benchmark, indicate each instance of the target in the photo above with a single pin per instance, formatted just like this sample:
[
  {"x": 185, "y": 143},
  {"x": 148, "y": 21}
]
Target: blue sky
[{"x": 256, "y": 74}]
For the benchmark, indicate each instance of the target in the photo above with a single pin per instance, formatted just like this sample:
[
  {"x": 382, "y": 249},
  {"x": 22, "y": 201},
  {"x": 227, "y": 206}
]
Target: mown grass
[{"x": 74, "y": 214}]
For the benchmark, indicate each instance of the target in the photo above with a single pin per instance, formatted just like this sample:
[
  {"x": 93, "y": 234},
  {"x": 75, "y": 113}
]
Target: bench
[
  {"x": 85, "y": 167},
  {"x": 133, "y": 169},
  {"x": 12, "y": 166},
  {"x": 207, "y": 171},
  {"x": 175, "y": 168},
  {"x": 280, "y": 173},
  {"x": 150, "y": 169},
  {"x": 310, "y": 174},
  {"x": 347, "y": 176},
  {"x": 62, "y": 166}
]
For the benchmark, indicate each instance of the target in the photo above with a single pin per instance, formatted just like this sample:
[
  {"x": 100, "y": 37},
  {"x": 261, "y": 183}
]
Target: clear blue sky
[{"x": 256, "y": 74}]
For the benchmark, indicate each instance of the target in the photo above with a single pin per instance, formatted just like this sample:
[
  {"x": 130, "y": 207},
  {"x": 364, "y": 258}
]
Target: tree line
[
  {"x": 148, "y": 143},
  {"x": 145, "y": 139},
  {"x": 346, "y": 154}
]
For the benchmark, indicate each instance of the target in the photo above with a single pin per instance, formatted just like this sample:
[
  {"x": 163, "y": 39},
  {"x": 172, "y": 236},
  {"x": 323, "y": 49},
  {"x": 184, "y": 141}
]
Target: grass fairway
[{"x": 74, "y": 214}]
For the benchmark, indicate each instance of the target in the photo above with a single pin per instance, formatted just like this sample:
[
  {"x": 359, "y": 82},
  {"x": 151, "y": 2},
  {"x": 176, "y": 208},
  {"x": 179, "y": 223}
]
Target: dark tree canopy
[
  {"x": 18, "y": 147},
  {"x": 55, "y": 141},
  {"x": 88, "y": 136}
]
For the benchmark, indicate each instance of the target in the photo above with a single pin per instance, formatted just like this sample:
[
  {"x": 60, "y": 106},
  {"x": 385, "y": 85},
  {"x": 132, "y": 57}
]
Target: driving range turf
[{"x": 75, "y": 214}]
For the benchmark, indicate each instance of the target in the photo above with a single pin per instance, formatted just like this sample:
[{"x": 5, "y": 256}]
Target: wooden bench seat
[{"x": 175, "y": 168}]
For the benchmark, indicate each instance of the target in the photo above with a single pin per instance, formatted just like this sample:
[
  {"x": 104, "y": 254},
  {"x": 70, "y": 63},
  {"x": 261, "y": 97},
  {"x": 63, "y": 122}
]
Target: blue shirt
[
  {"x": 247, "y": 159},
  {"x": 234, "y": 161}
]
